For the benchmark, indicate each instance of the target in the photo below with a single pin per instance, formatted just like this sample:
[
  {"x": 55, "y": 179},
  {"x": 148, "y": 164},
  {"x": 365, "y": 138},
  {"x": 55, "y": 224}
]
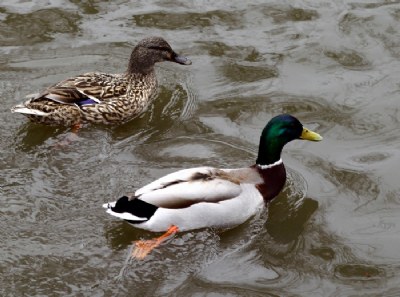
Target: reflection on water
[
  {"x": 38, "y": 26},
  {"x": 333, "y": 231},
  {"x": 187, "y": 20}
]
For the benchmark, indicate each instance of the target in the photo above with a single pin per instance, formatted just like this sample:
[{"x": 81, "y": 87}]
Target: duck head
[
  {"x": 150, "y": 51},
  {"x": 279, "y": 131}
]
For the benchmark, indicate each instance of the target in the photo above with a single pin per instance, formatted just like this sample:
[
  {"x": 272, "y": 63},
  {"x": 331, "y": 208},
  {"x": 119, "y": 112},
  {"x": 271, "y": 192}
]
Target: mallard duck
[
  {"x": 101, "y": 97},
  {"x": 211, "y": 197}
]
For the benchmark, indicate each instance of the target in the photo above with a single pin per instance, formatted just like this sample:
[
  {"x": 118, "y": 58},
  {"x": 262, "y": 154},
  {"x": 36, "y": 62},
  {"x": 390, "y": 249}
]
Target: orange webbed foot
[
  {"x": 70, "y": 137},
  {"x": 143, "y": 247}
]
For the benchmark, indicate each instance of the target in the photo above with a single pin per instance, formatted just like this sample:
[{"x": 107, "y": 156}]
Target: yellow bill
[{"x": 310, "y": 135}]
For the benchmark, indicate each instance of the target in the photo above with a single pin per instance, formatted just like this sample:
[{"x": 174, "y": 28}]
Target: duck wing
[
  {"x": 88, "y": 88},
  {"x": 189, "y": 186}
]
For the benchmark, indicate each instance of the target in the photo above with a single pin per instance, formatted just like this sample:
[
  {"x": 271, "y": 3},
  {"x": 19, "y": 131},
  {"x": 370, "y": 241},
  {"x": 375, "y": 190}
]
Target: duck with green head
[
  {"x": 97, "y": 97},
  {"x": 211, "y": 197}
]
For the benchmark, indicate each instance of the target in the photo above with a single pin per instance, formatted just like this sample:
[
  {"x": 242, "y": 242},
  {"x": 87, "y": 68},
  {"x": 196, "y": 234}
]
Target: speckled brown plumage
[{"x": 96, "y": 97}]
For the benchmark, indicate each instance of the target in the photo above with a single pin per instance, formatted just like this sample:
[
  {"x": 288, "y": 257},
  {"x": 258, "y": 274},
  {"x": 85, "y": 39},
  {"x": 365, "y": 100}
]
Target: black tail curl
[{"x": 135, "y": 206}]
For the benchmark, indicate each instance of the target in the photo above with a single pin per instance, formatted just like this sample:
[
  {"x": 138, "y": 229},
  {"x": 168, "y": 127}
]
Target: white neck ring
[{"x": 270, "y": 165}]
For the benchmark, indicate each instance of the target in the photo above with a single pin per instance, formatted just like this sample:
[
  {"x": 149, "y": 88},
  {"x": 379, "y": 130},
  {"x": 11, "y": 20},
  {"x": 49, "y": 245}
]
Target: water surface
[{"x": 333, "y": 231}]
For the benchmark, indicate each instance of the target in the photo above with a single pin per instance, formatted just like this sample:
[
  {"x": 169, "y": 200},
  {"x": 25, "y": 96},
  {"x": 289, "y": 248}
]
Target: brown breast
[{"x": 274, "y": 180}]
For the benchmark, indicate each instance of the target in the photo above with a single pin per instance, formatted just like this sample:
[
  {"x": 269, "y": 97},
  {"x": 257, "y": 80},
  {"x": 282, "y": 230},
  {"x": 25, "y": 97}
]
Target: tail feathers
[
  {"x": 134, "y": 210},
  {"x": 26, "y": 110}
]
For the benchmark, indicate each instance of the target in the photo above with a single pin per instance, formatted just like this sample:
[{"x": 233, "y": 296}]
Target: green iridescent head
[{"x": 279, "y": 131}]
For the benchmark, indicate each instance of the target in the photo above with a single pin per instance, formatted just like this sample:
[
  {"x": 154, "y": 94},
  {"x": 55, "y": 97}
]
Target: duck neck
[
  {"x": 269, "y": 163},
  {"x": 140, "y": 64},
  {"x": 269, "y": 151},
  {"x": 138, "y": 68}
]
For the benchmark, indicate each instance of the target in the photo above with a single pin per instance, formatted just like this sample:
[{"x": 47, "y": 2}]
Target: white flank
[
  {"x": 181, "y": 175},
  {"x": 190, "y": 201},
  {"x": 215, "y": 190},
  {"x": 26, "y": 110},
  {"x": 225, "y": 214}
]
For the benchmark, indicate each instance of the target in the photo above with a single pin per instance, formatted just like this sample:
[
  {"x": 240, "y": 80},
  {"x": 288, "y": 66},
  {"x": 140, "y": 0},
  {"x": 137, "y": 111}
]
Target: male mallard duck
[
  {"x": 101, "y": 97},
  {"x": 211, "y": 197}
]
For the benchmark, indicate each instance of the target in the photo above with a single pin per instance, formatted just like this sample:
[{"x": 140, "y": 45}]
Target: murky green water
[{"x": 334, "y": 231}]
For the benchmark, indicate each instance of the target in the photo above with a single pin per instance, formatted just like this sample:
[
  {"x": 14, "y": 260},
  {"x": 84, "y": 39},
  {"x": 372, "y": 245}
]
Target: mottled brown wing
[
  {"x": 97, "y": 86},
  {"x": 102, "y": 86}
]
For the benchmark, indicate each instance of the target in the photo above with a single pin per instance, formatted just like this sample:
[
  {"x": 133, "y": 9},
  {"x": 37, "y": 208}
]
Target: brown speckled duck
[
  {"x": 211, "y": 197},
  {"x": 96, "y": 97}
]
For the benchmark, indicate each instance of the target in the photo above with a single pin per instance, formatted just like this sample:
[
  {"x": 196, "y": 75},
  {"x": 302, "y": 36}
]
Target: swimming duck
[
  {"x": 211, "y": 197},
  {"x": 97, "y": 97}
]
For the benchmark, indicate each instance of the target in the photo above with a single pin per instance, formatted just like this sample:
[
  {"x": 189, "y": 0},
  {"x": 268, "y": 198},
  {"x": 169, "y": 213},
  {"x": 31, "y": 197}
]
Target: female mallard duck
[
  {"x": 211, "y": 197},
  {"x": 101, "y": 97}
]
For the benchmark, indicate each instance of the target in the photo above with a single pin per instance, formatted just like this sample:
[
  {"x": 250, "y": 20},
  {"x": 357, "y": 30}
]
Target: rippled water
[{"x": 334, "y": 231}]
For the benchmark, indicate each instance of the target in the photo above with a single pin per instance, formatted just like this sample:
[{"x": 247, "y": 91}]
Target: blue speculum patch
[{"x": 86, "y": 102}]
